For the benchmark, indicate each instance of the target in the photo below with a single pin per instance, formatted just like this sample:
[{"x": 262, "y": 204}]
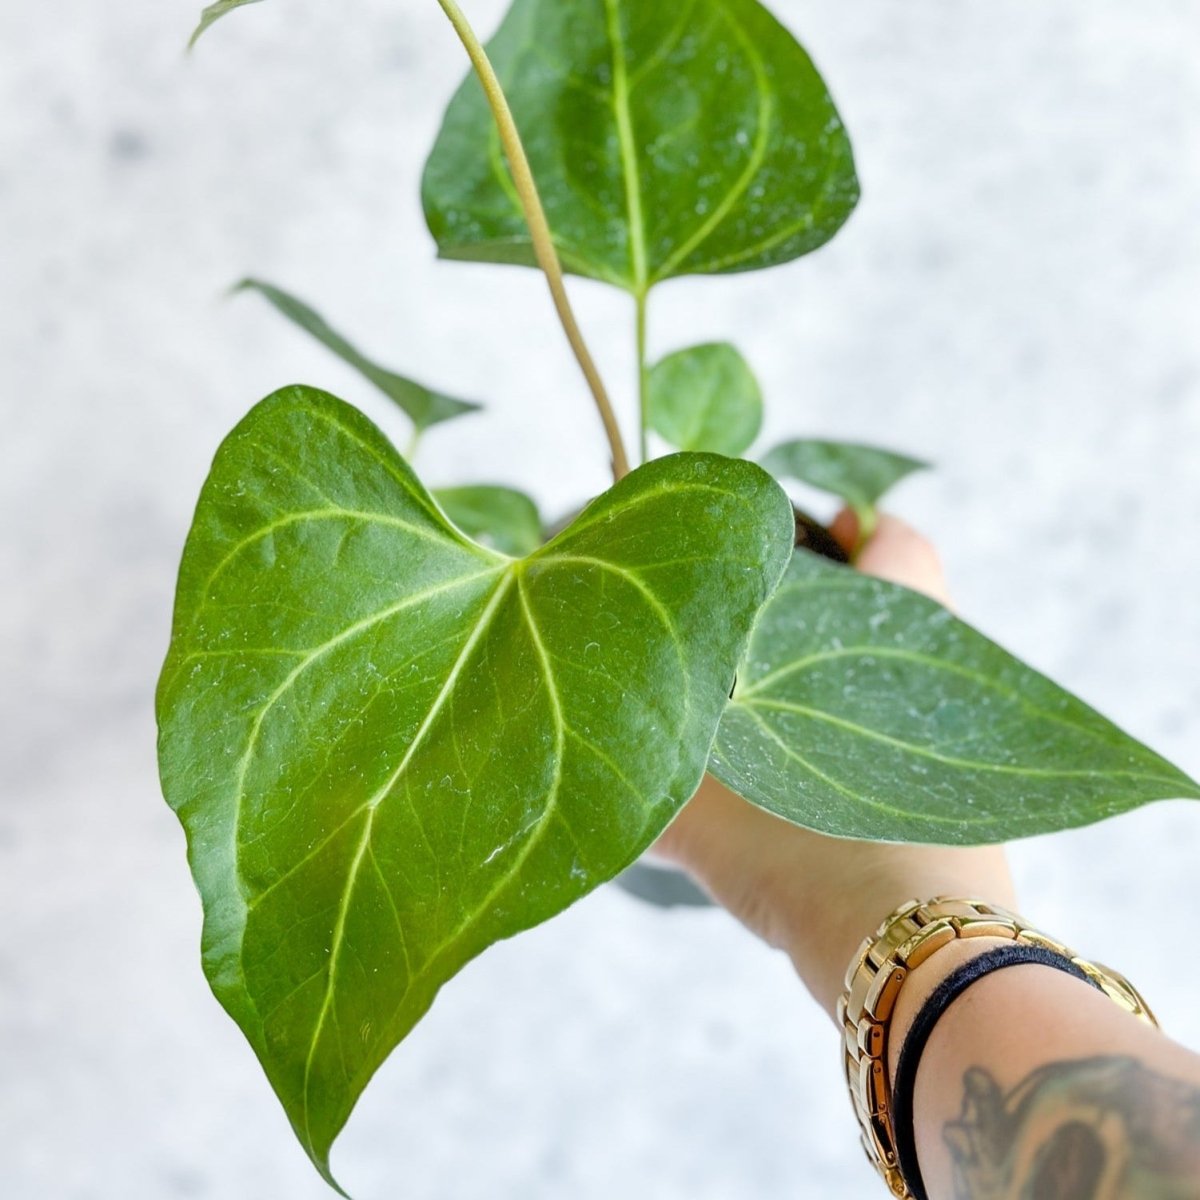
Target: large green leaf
[
  {"x": 498, "y": 516},
  {"x": 858, "y": 474},
  {"x": 705, "y": 398},
  {"x": 214, "y": 12},
  {"x": 391, "y": 747},
  {"x": 422, "y": 405},
  {"x": 868, "y": 711},
  {"x": 666, "y": 139}
]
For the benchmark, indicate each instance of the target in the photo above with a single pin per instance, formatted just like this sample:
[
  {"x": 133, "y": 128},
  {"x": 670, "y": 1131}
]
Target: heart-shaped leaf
[
  {"x": 858, "y": 474},
  {"x": 666, "y": 139},
  {"x": 868, "y": 711},
  {"x": 214, "y": 12},
  {"x": 422, "y": 405},
  {"x": 705, "y": 398},
  {"x": 500, "y": 517},
  {"x": 391, "y": 747}
]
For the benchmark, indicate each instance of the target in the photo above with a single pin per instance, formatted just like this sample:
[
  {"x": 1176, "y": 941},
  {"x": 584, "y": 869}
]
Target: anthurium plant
[{"x": 399, "y": 725}]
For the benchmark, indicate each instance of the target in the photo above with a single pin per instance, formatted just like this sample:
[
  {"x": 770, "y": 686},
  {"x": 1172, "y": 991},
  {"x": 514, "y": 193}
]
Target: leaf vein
[
  {"x": 948, "y": 759},
  {"x": 758, "y": 154},
  {"x": 879, "y": 805}
]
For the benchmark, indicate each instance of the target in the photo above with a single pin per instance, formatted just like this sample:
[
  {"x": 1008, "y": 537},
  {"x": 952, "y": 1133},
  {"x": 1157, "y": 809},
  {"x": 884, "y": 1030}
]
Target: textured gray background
[{"x": 1016, "y": 298}]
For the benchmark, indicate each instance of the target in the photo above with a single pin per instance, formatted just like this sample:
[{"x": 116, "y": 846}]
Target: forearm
[
  {"x": 811, "y": 896},
  {"x": 1034, "y": 1084}
]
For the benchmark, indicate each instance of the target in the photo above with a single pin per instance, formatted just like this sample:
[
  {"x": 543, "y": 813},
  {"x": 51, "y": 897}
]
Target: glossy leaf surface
[
  {"x": 666, "y": 139},
  {"x": 868, "y": 711},
  {"x": 500, "y": 517},
  {"x": 422, "y": 405},
  {"x": 858, "y": 474},
  {"x": 391, "y": 747},
  {"x": 705, "y": 398}
]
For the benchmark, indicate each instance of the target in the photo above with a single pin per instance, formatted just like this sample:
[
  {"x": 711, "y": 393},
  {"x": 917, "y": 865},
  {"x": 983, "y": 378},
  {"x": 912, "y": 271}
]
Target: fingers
[{"x": 896, "y": 552}]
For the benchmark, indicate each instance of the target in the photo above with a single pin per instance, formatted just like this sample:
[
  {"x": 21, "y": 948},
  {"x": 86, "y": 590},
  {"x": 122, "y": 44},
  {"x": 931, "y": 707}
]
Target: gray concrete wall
[{"x": 1016, "y": 299}]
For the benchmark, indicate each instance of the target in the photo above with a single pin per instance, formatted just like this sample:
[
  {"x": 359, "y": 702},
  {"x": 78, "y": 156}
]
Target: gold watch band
[{"x": 876, "y": 975}]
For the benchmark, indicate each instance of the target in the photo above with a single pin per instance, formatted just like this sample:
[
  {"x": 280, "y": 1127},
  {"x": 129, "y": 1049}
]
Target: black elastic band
[{"x": 949, "y": 990}]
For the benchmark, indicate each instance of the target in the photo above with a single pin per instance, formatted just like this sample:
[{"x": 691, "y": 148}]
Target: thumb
[{"x": 895, "y": 552}]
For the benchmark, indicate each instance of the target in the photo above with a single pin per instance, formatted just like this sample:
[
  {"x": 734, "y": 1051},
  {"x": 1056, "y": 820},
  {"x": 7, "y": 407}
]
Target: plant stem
[
  {"x": 867, "y": 518},
  {"x": 643, "y": 377},
  {"x": 414, "y": 440},
  {"x": 539, "y": 228}
]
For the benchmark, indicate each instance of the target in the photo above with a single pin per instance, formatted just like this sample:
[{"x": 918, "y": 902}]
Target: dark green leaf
[
  {"x": 868, "y": 711},
  {"x": 705, "y": 398},
  {"x": 858, "y": 474},
  {"x": 214, "y": 12},
  {"x": 500, "y": 517},
  {"x": 423, "y": 406},
  {"x": 391, "y": 747},
  {"x": 666, "y": 139}
]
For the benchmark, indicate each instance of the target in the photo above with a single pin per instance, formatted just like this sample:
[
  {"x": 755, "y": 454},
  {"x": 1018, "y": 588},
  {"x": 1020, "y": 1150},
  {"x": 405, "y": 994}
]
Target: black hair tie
[{"x": 949, "y": 990}]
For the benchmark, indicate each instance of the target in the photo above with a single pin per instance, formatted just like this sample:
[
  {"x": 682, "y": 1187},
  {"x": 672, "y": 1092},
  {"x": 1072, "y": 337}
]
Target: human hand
[{"x": 812, "y": 896}]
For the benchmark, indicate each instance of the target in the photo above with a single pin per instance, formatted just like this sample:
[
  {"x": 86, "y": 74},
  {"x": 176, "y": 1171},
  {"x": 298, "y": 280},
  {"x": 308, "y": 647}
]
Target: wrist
[
  {"x": 812, "y": 896},
  {"x": 924, "y": 980},
  {"x": 916, "y": 966},
  {"x": 823, "y": 932}
]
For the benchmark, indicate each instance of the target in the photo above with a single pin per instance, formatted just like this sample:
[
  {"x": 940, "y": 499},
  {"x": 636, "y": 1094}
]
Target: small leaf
[
  {"x": 666, "y": 139},
  {"x": 705, "y": 398},
  {"x": 391, "y": 747},
  {"x": 500, "y": 517},
  {"x": 214, "y": 12},
  {"x": 858, "y": 474},
  {"x": 865, "y": 710},
  {"x": 422, "y": 405}
]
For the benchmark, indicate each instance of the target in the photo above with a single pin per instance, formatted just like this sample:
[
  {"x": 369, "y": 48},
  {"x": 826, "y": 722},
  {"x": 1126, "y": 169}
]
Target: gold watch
[{"x": 876, "y": 975}]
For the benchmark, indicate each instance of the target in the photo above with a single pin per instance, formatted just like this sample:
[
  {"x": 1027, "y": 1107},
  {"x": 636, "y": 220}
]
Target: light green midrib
[
  {"x": 857, "y": 798},
  {"x": 969, "y": 764},
  {"x": 631, "y": 577},
  {"x": 867, "y": 650},
  {"x": 630, "y": 171},
  {"x": 534, "y": 832},
  {"x": 310, "y": 658},
  {"x": 813, "y": 769},
  {"x": 370, "y": 807},
  {"x": 947, "y": 666},
  {"x": 511, "y": 572}
]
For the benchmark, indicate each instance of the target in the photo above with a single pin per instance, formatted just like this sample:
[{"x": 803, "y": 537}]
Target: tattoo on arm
[{"x": 1093, "y": 1129}]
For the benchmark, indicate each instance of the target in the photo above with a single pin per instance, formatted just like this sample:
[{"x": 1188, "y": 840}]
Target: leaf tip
[
  {"x": 201, "y": 26},
  {"x": 214, "y": 12},
  {"x": 319, "y": 1148},
  {"x": 322, "y": 1166}
]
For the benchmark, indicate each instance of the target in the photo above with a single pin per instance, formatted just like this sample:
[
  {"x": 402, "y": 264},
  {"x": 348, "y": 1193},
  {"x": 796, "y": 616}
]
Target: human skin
[
  {"x": 812, "y": 896},
  {"x": 1033, "y": 1085}
]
